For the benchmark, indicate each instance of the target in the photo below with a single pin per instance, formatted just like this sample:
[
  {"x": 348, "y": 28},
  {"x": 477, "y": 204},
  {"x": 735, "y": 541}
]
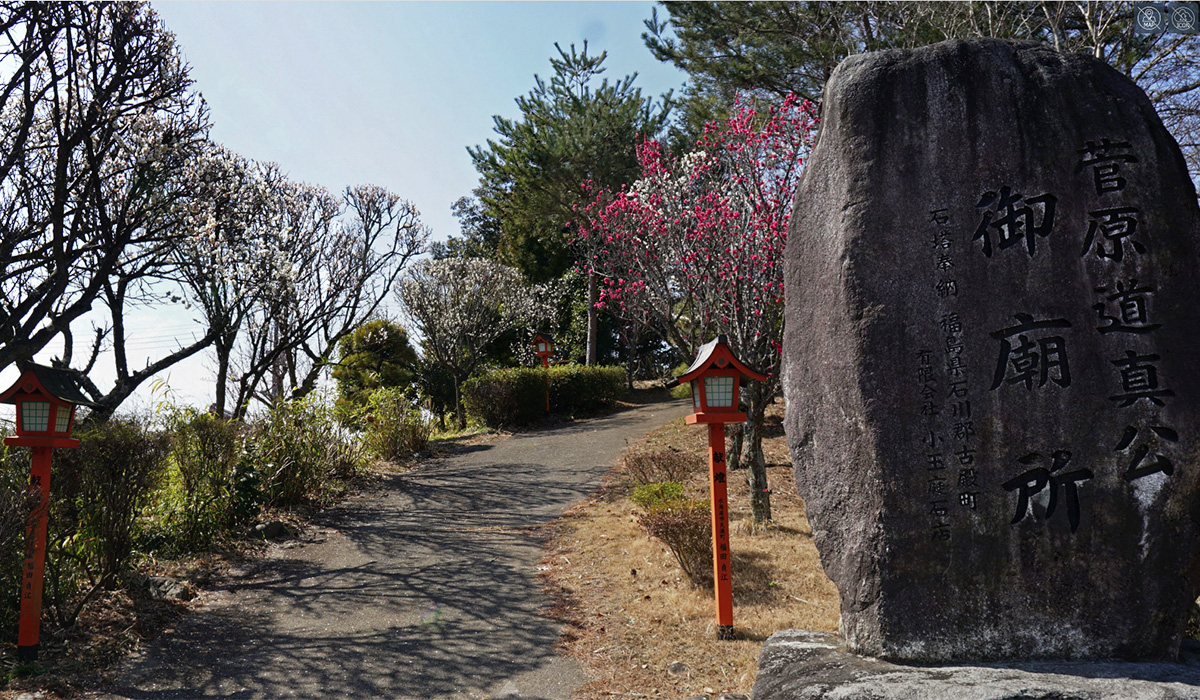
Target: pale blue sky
[{"x": 388, "y": 93}]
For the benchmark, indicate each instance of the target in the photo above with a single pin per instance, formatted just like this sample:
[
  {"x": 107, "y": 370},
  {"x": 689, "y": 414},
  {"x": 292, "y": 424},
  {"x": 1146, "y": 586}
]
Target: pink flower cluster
[{"x": 696, "y": 245}]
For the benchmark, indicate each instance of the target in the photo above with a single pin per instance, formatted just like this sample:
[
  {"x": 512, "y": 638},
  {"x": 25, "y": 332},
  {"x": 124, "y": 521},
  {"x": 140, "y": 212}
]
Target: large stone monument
[{"x": 992, "y": 366}]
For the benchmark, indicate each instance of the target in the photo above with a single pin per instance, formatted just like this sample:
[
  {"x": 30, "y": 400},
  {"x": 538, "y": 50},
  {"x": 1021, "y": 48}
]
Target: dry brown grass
[{"x": 631, "y": 612}]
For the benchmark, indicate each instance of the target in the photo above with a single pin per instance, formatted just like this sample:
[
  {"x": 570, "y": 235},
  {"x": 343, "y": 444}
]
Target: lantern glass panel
[
  {"x": 718, "y": 391},
  {"x": 695, "y": 394},
  {"x": 62, "y": 422},
  {"x": 541, "y": 347},
  {"x": 35, "y": 416}
]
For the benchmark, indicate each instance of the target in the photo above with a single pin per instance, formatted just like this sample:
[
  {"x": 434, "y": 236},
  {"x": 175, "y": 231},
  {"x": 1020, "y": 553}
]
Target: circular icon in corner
[
  {"x": 1148, "y": 18},
  {"x": 1183, "y": 18}
]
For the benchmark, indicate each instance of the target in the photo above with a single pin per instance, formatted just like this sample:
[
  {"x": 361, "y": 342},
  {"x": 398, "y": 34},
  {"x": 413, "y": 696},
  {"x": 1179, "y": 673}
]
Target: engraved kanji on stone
[
  {"x": 1041, "y": 358},
  {"x": 1114, "y": 225},
  {"x": 1037, "y": 479},
  {"x": 1105, "y": 163},
  {"x": 1014, "y": 219},
  {"x": 1139, "y": 380},
  {"x": 1161, "y": 463},
  {"x": 1131, "y": 303},
  {"x": 938, "y": 486}
]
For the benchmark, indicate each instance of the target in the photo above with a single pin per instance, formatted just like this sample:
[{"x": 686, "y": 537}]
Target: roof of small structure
[
  {"x": 710, "y": 351},
  {"x": 59, "y": 383},
  {"x": 543, "y": 336}
]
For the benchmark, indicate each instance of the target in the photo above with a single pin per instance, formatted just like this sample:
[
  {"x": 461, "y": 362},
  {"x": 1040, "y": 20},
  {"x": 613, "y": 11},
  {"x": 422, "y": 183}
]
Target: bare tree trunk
[
  {"x": 631, "y": 338},
  {"x": 735, "y": 432},
  {"x": 756, "y": 475},
  {"x": 460, "y": 411},
  {"x": 593, "y": 318},
  {"x": 751, "y": 453},
  {"x": 223, "y": 355}
]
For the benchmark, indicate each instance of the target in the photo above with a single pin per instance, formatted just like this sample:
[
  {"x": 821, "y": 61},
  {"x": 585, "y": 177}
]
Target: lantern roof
[
  {"x": 715, "y": 354},
  {"x": 540, "y": 337},
  {"x": 58, "y": 383}
]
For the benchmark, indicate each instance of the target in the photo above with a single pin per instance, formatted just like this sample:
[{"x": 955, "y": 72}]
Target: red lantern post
[
  {"x": 544, "y": 348},
  {"x": 715, "y": 383},
  {"x": 45, "y": 399}
]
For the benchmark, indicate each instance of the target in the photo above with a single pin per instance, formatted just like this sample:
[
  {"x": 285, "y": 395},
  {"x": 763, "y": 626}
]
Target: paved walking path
[{"x": 421, "y": 590}]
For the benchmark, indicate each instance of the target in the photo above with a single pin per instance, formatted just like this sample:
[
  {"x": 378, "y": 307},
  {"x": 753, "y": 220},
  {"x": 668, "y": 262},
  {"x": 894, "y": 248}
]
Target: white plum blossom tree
[
  {"x": 461, "y": 305},
  {"x": 97, "y": 122}
]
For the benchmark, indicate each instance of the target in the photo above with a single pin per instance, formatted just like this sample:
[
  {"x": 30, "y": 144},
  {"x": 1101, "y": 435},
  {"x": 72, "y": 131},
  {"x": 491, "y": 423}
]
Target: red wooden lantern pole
[
  {"x": 722, "y": 582},
  {"x": 45, "y": 399},
  {"x": 715, "y": 382},
  {"x": 32, "y": 570},
  {"x": 544, "y": 348}
]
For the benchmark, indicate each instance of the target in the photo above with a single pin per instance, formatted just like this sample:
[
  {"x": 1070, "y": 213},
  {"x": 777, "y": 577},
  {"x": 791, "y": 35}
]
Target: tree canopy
[
  {"x": 375, "y": 355},
  {"x": 792, "y": 47},
  {"x": 461, "y": 305},
  {"x": 576, "y": 127}
]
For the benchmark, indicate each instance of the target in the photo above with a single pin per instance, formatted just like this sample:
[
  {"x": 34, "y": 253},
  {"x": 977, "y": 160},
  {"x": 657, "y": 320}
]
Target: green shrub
[
  {"x": 15, "y": 506},
  {"x": 650, "y": 496},
  {"x": 298, "y": 448},
  {"x": 685, "y": 527},
  {"x": 392, "y": 428},
  {"x": 514, "y": 397},
  {"x": 681, "y": 391},
  {"x": 506, "y": 397},
  {"x": 206, "y": 493},
  {"x": 97, "y": 493},
  {"x": 121, "y": 463},
  {"x": 655, "y": 466},
  {"x": 579, "y": 390}
]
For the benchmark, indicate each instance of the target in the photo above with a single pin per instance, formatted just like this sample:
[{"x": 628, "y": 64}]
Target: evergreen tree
[
  {"x": 375, "y": 355},
  {"x": 779, "y": 48},
  {"x": 575, "y": 128}
]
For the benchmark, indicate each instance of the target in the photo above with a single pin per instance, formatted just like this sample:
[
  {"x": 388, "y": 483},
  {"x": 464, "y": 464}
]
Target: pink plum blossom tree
[{"x": 695, "y": 248}]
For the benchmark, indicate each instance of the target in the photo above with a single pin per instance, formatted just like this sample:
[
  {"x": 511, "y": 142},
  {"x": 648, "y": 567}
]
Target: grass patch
[{"x": 632, "y": 614}]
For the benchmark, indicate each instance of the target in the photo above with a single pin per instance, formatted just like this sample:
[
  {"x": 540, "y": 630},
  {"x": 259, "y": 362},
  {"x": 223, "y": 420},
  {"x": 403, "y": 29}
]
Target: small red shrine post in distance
[
  {"x": 715, "y": 378},
  {"x": 45, "y": 398},
  {"x": 543, "y": 347}
]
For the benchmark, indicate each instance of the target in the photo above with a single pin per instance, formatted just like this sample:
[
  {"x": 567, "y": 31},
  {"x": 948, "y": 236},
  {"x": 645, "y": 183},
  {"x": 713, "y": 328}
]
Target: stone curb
[{"x": 804, "y": 665}]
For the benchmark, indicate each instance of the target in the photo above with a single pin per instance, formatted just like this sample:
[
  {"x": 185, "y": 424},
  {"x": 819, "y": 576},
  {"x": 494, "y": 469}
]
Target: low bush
[
  {"x": 15, "y": 506},
  {"x": 515, "y": 397},
  {"x": 298, "y": 448},
  {"x": 506, "y": 397},
  {"x": 681, "y": 391},
  {"x": 392, "y": 428},
  {"x": 656, "y": 466},
  {"x": 685, "y": 527},
  {"x": 579, "y": 390},
  {"x": 198, "y": 505},
  {"x": 649, "y": 496},
  {"x": 120, "y": 464}
]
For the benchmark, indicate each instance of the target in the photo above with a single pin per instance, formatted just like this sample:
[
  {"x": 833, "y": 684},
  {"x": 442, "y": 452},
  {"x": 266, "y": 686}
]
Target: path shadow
[{"x": 424, "y": 588}]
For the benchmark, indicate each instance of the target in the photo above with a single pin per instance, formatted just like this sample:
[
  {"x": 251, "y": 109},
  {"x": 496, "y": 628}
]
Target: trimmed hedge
[
  {"x": 514, "y": 397},
  {"x": 579, "y": 390}
]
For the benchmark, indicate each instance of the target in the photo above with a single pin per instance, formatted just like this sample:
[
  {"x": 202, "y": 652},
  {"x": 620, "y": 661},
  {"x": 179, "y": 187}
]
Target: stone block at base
[{"x": 804, "y": 665}]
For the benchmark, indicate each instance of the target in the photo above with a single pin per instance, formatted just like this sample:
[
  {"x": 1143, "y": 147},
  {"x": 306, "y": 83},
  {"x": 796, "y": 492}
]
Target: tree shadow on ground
[{"x": 428, "y": 589}]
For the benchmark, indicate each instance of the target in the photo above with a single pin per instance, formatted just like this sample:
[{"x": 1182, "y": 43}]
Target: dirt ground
[{"x": 637, "y": 625}]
